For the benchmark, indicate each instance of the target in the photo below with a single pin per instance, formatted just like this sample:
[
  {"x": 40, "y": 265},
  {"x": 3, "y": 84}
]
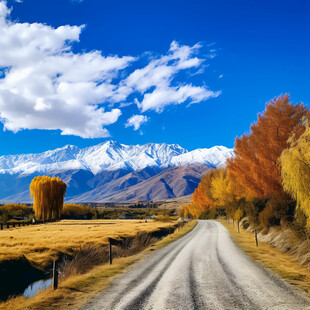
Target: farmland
[
  {"x": 76, "y": 289},
  {"x": 40, "y": 244}
]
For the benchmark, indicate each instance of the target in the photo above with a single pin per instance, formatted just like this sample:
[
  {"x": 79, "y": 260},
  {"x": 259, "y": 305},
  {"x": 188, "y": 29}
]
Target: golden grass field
[
  {"x": 75, "y": 291},
  {"x": 283, "y": 264},
  {"x": 42, "y": 243}
]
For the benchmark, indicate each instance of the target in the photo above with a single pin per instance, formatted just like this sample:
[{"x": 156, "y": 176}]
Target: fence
[{"x": 12, "y": 224}]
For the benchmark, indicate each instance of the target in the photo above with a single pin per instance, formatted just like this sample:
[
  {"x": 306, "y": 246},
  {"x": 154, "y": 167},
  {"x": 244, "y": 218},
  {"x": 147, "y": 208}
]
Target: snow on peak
[
  {"x": 214, "y": 157},
  {"x": 112, "y": 155}
]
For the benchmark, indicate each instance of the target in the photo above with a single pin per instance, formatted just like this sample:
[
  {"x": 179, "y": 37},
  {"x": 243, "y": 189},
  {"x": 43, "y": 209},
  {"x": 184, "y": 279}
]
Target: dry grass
[
  {"x": 75, "y": 291},
  {"x": 42, "y": 243},
  {"x": 91, "y": 255},
  {"x": 283, "y": 264},
  {"x": 285, "y": 240}
]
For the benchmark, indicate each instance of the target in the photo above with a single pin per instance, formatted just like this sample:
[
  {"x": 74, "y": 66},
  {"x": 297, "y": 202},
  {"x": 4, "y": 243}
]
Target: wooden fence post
[
  {"x": 255, "y": 232},
  {"x": 55, "y": 275},
  {"x": 13, "y": 224},
  {"x": 110, "y": 251}
]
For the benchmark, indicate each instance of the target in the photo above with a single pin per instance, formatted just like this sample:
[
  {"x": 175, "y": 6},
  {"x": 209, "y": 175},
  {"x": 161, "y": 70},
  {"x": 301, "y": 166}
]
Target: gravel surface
[{"x": 204, "y": 269}]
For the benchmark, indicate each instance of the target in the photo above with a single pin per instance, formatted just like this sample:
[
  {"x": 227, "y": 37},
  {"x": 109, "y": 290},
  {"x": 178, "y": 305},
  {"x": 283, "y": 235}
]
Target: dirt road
[{"x": 202, "y": 270}]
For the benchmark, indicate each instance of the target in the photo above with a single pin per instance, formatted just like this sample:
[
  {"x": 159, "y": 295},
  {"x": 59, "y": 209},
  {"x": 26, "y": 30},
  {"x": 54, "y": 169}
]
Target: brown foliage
[{"x": 255, "y": 166}]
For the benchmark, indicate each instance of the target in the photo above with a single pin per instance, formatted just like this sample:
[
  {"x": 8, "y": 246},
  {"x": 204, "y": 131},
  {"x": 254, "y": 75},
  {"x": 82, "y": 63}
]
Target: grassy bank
[
  {"x": 42, "y": 243},
  {"x": 281, "y": 263},
  {"x": 75, "y": 291}
]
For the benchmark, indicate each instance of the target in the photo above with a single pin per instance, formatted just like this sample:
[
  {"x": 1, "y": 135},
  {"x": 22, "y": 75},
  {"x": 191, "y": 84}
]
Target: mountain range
[{"x": 112, "y": 172}]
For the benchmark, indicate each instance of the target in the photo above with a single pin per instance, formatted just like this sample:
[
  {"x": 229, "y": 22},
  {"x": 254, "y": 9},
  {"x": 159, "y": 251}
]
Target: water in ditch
[{"x": 34, "y": 287}]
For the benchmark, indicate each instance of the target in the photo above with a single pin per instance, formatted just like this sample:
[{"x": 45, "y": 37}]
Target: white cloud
[
  {"x": 160, "y": 72},
  {"x": 154, "y": 81},
  {"x": 45, "y": 85},
  {"x": 136, "y": 121},
  {"x": 163, "y": 96}
]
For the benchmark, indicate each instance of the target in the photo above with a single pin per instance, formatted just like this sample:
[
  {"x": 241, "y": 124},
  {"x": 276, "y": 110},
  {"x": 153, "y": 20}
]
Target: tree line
[
  {"x": 268, "y": 179},
  {"x": 48, "y": 194}
]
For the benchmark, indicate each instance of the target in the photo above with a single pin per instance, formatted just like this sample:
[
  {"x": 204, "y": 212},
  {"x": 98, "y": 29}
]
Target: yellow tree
[
  {"x": 184, "y": 212},
  {"x": 194, "y": 210},
  {"x": 220, "y": 187},
  {"x": 226, "y": 192},
  {"x": 295, "y": 170},
  {"x": 190, "y": 210},
  {"x": 48, "y": 194}
]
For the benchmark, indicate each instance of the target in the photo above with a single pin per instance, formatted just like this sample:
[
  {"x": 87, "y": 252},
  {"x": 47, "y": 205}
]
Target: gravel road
[{"x": 202, "y": 270}]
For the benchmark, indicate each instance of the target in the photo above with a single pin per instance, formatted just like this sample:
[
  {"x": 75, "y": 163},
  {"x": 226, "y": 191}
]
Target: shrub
[
  {"x": 299, "y": 224},
  {"x": 71, "y": 210},
  {"x": 253, "y": 208},
  {"x": 212, "y": 213},
  {"x": 164, "y": 218},
  {"x": 277, "y": 211},
  {"x": 11, "y": 210}
]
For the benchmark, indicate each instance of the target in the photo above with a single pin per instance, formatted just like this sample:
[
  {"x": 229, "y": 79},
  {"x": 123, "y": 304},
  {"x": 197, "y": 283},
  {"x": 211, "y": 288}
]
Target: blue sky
[{"x": 194, "y": 73}]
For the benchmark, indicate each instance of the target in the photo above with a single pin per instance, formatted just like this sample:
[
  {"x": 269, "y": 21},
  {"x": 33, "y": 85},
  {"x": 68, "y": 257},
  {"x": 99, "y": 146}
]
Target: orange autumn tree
[
  {"x": 48, "y": 194},
  {"x": 255, "y": 166},
  {"x": 202, "y": 196}
]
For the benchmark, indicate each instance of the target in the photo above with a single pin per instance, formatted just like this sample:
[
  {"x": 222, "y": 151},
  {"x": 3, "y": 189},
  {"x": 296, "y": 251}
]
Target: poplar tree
[
  {"x": 202, "y": 196},
  {"x": 255, "y": 165}
]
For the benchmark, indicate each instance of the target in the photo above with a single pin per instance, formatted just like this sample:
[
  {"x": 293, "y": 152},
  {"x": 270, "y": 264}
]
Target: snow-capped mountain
[
  {"x": 111, "y": 156},
  {"x": 112, "y": 171}
]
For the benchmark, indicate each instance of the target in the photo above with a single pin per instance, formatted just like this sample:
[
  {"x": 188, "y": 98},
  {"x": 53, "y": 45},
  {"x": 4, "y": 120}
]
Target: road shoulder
[{"x": 281, "y": 263}]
